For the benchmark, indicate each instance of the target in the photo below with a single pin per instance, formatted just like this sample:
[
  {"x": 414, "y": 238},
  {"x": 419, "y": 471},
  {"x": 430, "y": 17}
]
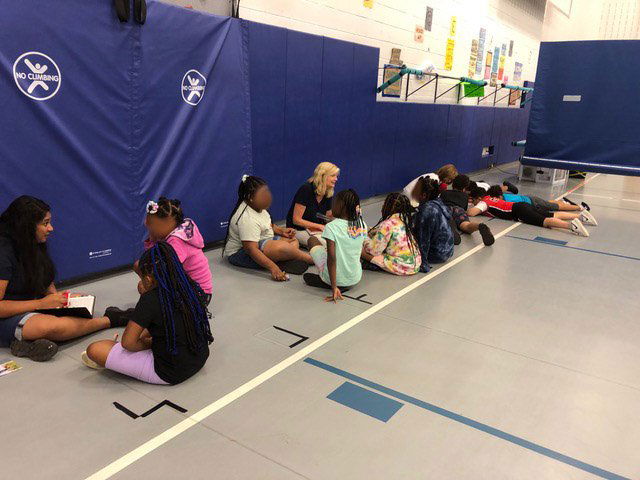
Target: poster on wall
[
  {"x": 501, "y": 67},
  {"x": 514, "y": 95},
  {"x": 482, "y": 37},
  {"x": 494, "y": 66},
  {"x": 487, "y": 68},
  {"x": 367, "y": 3},
  {"x": 473, "y": 58},
  {"x": 503, "y": 51},
  {"x": 394, "y": 89},
  {"x": 395, "y": 56},
  {"x": 511, "y": 48},
  {"x": 517, "y": 73},
  {"x": 418, "y": 35},
  {"x": 428, "y": 21},
  {"x": 452, "y": 27},
  {"x": 448, "y": 59}
]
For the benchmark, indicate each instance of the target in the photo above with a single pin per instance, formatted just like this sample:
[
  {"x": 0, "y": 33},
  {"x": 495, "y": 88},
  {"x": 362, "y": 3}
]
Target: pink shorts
[{"x": 138, "y": 365}]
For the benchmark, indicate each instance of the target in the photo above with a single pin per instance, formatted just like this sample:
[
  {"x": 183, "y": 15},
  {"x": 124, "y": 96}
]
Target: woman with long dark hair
[
  {"x": 167, "y": 338},
  {"x": 26, "y": 285}
]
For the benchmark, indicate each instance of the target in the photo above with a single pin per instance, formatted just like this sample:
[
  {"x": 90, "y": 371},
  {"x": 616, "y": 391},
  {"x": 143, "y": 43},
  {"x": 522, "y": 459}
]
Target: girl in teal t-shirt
[{"x": 339, "y": 262}]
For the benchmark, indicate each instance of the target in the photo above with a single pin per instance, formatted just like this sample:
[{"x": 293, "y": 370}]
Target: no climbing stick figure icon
[
  {"x": 37, "y": 75},
  {"x": 192, "y": 87}
]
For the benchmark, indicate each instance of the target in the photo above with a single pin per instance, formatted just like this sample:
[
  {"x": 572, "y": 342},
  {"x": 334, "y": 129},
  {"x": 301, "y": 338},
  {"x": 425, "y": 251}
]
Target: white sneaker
[
  {"x": 90, "y": 363},
  {"x": 587, "y": 218},
  {"x": 577, "y": 228}
]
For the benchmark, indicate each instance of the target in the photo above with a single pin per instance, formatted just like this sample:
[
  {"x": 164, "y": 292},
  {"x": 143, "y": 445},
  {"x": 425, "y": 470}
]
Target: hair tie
[
  {"x": 244, "y": 178},
  {"x": 152, "y": 207}
]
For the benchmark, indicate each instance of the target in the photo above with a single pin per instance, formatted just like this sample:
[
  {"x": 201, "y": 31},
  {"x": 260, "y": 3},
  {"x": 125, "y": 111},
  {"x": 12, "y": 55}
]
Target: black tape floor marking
[
  {"x": 295, "y": 344},
  {"x": 359, "y": 299},
  {"x": 133, "y": 415}
]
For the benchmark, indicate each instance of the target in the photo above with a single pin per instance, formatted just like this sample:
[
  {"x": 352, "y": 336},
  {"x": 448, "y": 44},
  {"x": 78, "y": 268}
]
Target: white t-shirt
[
  {"x": 483, "y": 185},
  {"x": 247, "y": 225},
  {"x": 409, "y": 188}
]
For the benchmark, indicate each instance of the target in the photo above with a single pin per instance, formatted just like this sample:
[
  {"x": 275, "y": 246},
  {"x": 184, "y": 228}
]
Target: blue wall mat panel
[
  {"x": 385, "y": 123},
  {"x": 268, "y": 60},
  {"x": 303, "y": 141},
  {"x": 363, "y": 134},
  {"x": 595, "y": 127},
  {"x": 421, "y": 138},
  {"x": 336, "y": 105},
  {"x": 464, "y": 138},
  {"x": 73, "y": 149},
  {"x": 196, "y": 153}
]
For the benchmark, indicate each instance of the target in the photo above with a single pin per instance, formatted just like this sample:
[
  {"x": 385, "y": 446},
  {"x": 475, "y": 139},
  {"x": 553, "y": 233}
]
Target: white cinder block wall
[{"x": 391, "y": 23}]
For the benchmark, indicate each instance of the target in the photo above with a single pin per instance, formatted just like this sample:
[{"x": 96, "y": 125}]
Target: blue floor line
[
  {"x": 574, "y": 248},
  {"x": 470, "y": 422}
]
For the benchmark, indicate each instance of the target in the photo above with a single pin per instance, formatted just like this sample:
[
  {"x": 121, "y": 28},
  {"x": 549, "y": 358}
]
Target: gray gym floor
[{"x": 518, "y": 360}]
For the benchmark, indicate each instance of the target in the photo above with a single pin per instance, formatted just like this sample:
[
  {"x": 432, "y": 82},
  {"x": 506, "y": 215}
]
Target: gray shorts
[{"x": 541, "y": 204}]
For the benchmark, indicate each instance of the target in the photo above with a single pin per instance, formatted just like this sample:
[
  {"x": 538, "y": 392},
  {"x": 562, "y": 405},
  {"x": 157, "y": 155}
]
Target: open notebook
[{"x": 78, "y": 306}]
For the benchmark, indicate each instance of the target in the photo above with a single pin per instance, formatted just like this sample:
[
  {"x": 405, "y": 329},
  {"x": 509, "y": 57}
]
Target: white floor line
[
  {"x": 594, "y": 196},
  {"x": 630, "y": 200},
  {"x": 162, "y": 438}
]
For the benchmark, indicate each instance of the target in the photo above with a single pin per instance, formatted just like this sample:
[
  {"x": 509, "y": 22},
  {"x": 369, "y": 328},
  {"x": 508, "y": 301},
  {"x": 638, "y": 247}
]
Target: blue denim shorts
[
  {"x": 242, "y": 259},
  {"x": 11, "y": 328}
]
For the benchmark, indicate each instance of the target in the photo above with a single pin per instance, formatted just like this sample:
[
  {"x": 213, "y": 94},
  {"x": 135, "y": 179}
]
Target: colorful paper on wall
[
  {"x": 517, "y": 73},
  {"x": 367, "y": 3},
  {"x": 418, "y": 35},
  {"x": 394, "y": 89},
  {"x": 511, "y": 48},
  {"x": 494, "y": 66},
  {"x": 503, "y": 50},
  {"x": 473, "y": 58},
  {"x": 487, "y": 68},
  {"x": 448, "y": 60},
  {"x": 428, "y": 21},
  {"x": 501, "y": 67},
  {"x": 452, "y": 27},
  {"x": 482, "y": 38}
]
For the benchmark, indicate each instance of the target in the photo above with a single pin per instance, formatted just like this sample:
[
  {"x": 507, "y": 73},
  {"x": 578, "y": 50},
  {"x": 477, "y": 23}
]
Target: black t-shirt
[
  {"x": 455, "y": 198},
  {"x": 306, "y": 195},
  {"x": 170, "y": 368},
  {"x": 11, "y": 270}
]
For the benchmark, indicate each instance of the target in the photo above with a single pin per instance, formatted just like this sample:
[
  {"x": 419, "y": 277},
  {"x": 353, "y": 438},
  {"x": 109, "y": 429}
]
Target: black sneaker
[
  {"x": 510, "y": 187},
  {"x": 293, "y": 267},
  {"x": 118, "y": 317},
  {"x": 39, "y": 350},
  {"x": 566, "y": 199},
  {"x": 314, "y": 280},
  {"x": 586, "y": 207},
  {"x": 487, "y": 236}
]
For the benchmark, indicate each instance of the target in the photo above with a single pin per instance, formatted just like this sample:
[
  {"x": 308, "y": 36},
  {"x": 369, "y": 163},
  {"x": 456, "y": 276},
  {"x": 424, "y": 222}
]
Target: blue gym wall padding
[
  {"x": 599, "y": 132},
  {"x": 276, "y": 103},
  {"x": 268, "y": 82}
]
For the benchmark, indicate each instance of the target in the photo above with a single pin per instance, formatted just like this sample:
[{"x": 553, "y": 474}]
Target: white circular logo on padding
[
  {"x": 193, "y": 85},
  {"x": 37, "y": 75}
]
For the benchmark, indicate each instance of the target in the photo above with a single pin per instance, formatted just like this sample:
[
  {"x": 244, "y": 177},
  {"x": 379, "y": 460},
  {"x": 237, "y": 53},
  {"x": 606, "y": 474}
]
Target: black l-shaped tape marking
[
  {"x": 359, "y": 299},
  {"x": 133, "y": 415},
  {"x": 301, "y": 337}
]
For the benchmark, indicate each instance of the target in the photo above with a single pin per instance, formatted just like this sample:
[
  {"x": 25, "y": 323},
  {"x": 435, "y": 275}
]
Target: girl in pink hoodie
[{"x": 165, "y": 221}]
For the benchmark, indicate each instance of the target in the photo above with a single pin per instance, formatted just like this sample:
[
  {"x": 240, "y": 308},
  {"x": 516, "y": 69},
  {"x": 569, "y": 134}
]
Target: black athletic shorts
[{"x": 527, "y": 213}]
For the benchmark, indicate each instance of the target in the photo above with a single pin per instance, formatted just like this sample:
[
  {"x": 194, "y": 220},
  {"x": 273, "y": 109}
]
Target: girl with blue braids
[{"x": 167, "y": 338}]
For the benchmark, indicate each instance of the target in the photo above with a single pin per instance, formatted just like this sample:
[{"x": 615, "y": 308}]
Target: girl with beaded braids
[
  {"x": 167, "y": 338},
  {"x": 253, "y": 241},
  {"x": 339, "y": 262},
  {"x": 391, "y": 244}
]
